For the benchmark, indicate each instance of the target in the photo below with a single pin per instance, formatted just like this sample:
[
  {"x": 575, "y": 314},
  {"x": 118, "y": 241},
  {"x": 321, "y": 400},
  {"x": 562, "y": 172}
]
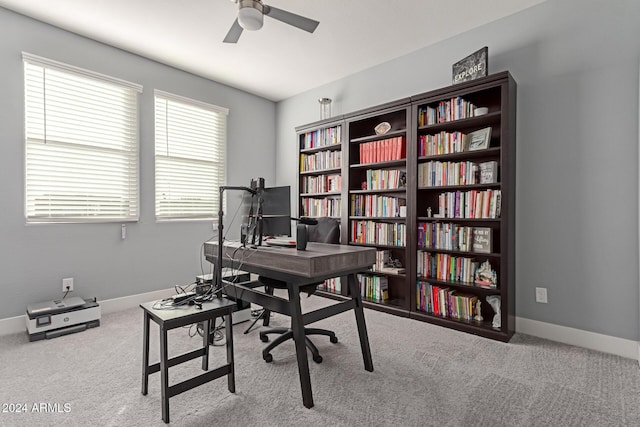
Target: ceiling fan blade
[
  {"x": 234, "y": 33},
  {"x": 298, "y": 21}
]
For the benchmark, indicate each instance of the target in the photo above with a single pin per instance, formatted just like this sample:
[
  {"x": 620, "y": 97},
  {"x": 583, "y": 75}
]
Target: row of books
[
  {"x": 376, "y": 205},
  {"x": 469, "y": 204},
  {"x": 435, "y": 174},
  {"x": 321, "y": 183},
  {"x": 378, "y": 233},
  {"x": 454, "y": 237},
  {"x": 450, "y": 268},
  {"x": 441, "y": 143},
  {"x": 383, "y": 150},
  {"x": 320, "y": 161},
  {"x": 374, "y": 288},
  {"x": 446, "y": 267},
  {"x": 454, "y": 109},
  {"x": 384, "y": 179},
  {"x": 331, "y": 285},
  {"x": 328, "y": 206},
  {"x": 444, "y": 302},
  {"x": 322, "y": 137},
  {"x": 382, "y": 259}
]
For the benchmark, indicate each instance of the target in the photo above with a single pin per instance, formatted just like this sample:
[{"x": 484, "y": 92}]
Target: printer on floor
[{"x": 50, "y": 319}]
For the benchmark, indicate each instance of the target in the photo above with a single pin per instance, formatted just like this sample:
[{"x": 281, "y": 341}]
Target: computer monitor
[
  {"x": 276, "y": 211},
  {"x": 276, "y": 214}
]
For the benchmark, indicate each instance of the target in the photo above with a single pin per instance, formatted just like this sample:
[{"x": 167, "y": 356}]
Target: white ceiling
[{"x": 277, "y": 61}]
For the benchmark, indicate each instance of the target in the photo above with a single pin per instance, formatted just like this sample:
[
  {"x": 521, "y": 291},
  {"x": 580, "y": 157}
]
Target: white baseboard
[
  {"x": 594, "y": 341},
  {"x": 605, "y": 343},
  {"x": 12, "y": 325}
]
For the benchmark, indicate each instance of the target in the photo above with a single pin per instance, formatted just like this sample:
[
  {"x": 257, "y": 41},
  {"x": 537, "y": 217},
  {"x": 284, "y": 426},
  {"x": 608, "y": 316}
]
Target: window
[
  {"x": 191, "y": 138},
  {"x": 81, "y": 144}
]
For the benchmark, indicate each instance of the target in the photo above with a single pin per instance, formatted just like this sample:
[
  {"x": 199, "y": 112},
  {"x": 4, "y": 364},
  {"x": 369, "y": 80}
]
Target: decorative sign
[{"x": 472, "y": 67}]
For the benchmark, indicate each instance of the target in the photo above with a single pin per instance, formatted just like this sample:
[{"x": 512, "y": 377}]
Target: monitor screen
[
  {"x": 276, "y": 214},
  {"x": 276, "y": 211}
]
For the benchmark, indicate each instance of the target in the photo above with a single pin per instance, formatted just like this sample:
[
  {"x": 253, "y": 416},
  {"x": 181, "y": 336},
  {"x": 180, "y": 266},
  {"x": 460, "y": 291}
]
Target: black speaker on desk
[
  {"x": 301, "y": 237},
  {"x": 302, "y": 232}
]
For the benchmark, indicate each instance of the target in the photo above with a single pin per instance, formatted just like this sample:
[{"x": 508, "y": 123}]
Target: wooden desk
[{"x": 319, "y": 262}]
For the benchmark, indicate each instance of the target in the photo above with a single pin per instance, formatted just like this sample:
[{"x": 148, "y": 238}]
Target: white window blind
[
  {"x": 191, "y": 139},
  {"x": 81, "y": 132}
]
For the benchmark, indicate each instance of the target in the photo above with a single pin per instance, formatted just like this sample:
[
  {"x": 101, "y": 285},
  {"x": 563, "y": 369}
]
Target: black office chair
[{"x": 326, "y": 231}]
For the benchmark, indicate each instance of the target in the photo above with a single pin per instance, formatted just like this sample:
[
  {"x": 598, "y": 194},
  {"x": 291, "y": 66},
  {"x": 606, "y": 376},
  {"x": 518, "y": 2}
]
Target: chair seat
[{"x": 279, "y": 284}]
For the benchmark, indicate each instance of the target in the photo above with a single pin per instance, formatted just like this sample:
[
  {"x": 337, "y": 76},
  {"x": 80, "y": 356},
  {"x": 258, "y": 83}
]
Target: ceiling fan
[{"x": 252, "y": 12}]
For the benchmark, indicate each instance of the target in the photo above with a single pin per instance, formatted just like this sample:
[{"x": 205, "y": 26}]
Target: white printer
[{"x": 50, "y": 319}]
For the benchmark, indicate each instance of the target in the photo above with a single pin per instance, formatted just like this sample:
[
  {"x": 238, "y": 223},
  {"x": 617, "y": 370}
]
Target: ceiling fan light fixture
[{"x": 250, "y": 15}]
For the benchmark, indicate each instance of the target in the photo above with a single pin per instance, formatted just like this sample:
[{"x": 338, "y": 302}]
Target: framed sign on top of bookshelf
[{"x": 471, "y": 67}]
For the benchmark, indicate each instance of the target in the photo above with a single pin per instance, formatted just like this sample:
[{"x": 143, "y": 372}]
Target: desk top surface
[{"x": 319, "y": 260}]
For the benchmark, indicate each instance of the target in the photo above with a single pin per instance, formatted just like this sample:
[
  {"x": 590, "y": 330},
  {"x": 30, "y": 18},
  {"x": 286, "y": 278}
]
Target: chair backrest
[{"x": 326, "y": 231}]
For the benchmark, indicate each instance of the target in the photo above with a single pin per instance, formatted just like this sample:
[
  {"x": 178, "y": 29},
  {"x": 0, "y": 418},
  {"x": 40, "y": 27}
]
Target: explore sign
[{"x": 471, "y": 67}]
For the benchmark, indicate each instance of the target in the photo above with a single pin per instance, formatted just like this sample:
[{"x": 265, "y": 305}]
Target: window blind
[
  {"x": 81, "y": 144},
  {"x": 190, "y": 148}
]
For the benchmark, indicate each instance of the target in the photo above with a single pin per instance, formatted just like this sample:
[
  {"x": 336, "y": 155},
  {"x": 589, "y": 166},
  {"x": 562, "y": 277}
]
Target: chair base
[{"x": 286, "y": 334}]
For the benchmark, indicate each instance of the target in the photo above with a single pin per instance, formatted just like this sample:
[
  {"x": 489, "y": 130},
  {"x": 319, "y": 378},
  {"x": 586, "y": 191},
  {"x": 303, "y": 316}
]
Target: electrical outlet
[
  {"x": 123, "y": 231},
  {"x": 67, "y": 284},
  {"x": 541, "y": 295}
]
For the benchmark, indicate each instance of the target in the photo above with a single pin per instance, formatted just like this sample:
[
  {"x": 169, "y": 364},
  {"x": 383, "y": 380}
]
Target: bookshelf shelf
[
  {"x": 369, "y": 138},
  {"x": 459, "y": 187},
  {"x": 381, "y": 191},
  {"x": 468, "y": 155},
  {"x": 328, "y": 193},
  {"x": 468, "y": 123},
  {"x": 376, "y": 245},
  {"x": 389, "y": 163},
  {"x": 321, "y": 148},
  {"x": 491, "y": 213},
  {"x": 321, "y": 171},
  {"x": 380, "y": 218},
  {"x": 462, "y": 253}
]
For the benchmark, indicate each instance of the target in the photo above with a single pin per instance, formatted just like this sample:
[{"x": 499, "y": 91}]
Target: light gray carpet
[{"x": 423, "y": 375}]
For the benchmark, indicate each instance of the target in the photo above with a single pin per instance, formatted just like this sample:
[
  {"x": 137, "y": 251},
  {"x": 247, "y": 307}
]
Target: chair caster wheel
[
  {"x": 317, "y": 359},
  {"x": 333, "y": 339},
  {"x": 267, "y": 357},
  {"x": 264, "y": 338}
]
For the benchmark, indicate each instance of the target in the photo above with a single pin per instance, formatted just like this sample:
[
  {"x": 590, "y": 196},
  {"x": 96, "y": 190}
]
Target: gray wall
[
  {"x": 35, "y": 258},
  {"x": 576, "y": 64}
]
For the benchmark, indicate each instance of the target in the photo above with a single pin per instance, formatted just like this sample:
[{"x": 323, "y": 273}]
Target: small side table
[{"x": 176, "y": 318}]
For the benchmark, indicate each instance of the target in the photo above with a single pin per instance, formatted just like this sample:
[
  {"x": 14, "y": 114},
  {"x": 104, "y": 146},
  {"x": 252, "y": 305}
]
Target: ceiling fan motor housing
[{"x": 251, "y": 14}]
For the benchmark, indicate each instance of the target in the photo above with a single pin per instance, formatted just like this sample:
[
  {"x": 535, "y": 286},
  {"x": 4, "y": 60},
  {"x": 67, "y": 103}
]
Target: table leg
[
  {"x": 206, "y": 335},
  {"x": 297, "y": 326},
  {"x": 231, "y": 377},
  {"x": 362, "y": 327},
  {"x": 164, "y": 374},
  {"x": 145, "y": 353}
]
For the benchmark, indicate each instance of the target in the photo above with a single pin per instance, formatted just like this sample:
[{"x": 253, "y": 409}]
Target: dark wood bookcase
[
  {"x": 436, "y": 178},
  {"x": 321, "y": 176}
]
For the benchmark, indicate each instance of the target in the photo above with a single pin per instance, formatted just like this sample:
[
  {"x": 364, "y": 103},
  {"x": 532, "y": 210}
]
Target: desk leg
[
  {"x": 206, "y": 335},
  {"x": 297, "y": 326},
  {"x": 362, "y": 327},
  {"x": 164, "y": 374},
  {"x": 231, "y": 377},
  {"x": 145, "y": 353}
]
